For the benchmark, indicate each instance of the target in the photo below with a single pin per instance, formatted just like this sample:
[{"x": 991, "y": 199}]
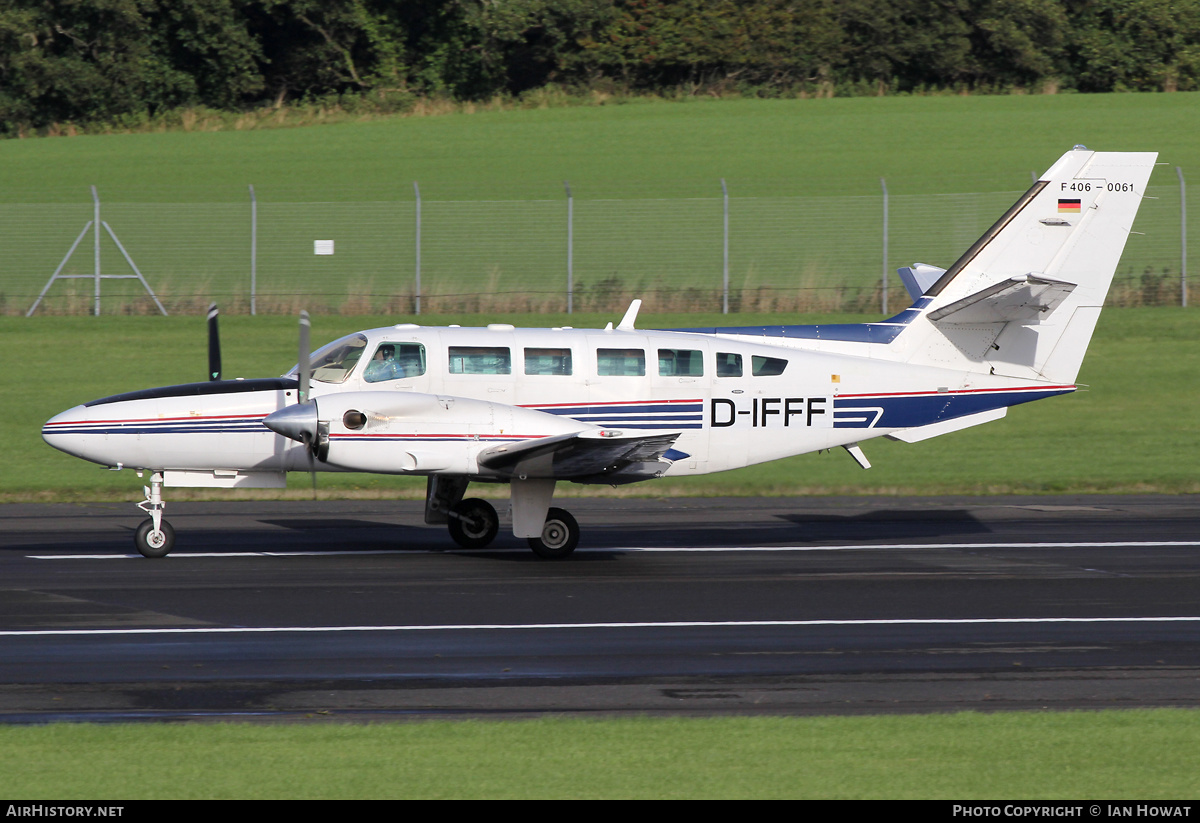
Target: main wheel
[
  {"x": 154, "y": 543},
  {"x": 474, "y": 523},
  {"x": 559, "y": 537}
]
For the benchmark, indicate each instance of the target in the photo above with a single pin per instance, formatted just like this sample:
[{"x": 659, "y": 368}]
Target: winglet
[{"x": 631, "y": 313}]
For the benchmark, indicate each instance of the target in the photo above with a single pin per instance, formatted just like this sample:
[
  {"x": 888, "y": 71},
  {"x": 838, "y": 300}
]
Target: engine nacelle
[{"x": 401, "y": 432}]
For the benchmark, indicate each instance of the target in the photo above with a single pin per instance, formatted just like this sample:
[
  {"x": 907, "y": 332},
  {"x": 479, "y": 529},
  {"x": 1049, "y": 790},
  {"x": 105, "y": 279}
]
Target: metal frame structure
[{"x": 96, "y": 275}]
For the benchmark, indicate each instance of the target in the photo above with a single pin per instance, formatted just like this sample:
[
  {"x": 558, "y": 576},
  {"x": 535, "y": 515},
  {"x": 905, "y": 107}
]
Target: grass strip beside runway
[{"x": 1033, "y": 756}]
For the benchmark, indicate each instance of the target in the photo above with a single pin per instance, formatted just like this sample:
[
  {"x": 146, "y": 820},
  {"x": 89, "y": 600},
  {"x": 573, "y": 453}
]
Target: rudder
[{"x": 1025, "y": 298}]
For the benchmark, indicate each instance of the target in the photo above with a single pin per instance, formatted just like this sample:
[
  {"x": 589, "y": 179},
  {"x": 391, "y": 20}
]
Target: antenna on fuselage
[{"x": 631, "y": 313}]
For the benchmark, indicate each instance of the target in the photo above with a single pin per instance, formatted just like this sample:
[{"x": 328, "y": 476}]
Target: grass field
[
  {"x": 922, "y": 145},
  {"x": 803, "y": 177},
  {"x": 1086, "y": 756},
  {"x": 1132, "y": 429}
]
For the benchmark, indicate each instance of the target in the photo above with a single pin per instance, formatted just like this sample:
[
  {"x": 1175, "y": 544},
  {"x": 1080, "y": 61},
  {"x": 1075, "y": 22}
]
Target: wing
[
  {"x": 402, "y": 432},
  {"x": 596, "y": 455}
]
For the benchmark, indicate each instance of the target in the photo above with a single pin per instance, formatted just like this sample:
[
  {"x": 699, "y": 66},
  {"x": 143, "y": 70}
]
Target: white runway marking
[
  {"x": 1128, "y": 544},
  {"x": 687, "y": 624}
]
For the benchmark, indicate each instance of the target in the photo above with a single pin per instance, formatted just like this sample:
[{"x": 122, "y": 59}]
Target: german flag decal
[{"x": 1069, "y": 206}]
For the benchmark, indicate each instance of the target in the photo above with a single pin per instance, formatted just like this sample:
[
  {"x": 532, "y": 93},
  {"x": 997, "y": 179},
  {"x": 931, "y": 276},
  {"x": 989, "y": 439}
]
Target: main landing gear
[
  {"x": 559, "y": 537},
  {"x": 154, "y": 537},
  {"x": 474, "y": 524}
]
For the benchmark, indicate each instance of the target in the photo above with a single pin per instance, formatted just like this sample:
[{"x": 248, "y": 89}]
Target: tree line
[{"x": 107, "y": 61}]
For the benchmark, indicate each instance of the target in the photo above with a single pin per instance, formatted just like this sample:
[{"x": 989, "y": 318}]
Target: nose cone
[
  {"x": 299, "y": 422},
  {"x": 73, "y": 432}
]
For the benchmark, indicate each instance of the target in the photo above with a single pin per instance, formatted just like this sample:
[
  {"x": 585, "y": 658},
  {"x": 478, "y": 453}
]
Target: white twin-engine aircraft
[{"x": 1007, "y": 323}]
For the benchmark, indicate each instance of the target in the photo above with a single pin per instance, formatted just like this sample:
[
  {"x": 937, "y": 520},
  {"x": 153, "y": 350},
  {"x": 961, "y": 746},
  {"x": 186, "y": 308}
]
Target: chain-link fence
[{"x": 566, "y": 251}]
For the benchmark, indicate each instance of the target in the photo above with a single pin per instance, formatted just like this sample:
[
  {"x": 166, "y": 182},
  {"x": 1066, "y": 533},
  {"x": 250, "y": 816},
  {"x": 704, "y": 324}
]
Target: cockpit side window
[
  {"x": 393, "y": 361},
  {"x": 334, "y": 362}
]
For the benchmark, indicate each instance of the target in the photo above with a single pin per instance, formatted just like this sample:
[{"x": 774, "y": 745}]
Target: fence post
[
  {"x": 1183, "y": 289},
  {"x": 96, "y": 245},
  {"x": 725, "y": 260},
  {"x": 417, "y": 296},
  {"x": 253, "y": 251},
  {"x": 884, "y": 276},
  {"x": 570, "y": 248}
]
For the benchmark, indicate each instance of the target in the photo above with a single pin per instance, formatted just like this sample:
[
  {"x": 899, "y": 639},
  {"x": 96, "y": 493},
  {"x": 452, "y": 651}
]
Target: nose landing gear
[{"x": 154, "y": 537}]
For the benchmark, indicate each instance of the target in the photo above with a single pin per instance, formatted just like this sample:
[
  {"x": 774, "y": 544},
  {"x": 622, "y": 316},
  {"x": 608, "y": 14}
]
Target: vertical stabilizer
[{"x": 1024, "y": 299}]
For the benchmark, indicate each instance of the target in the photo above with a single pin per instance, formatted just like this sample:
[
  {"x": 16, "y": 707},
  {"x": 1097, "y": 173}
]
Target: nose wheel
[{"x": 154, "y": 542}]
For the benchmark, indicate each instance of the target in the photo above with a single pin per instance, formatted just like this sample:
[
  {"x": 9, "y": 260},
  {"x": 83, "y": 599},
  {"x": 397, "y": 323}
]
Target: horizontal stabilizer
[
  {"x": 1026, "y": 298},
  {"x": 919, "y": 433},
  {"x": 918, "y": 277},
  {"x": 580, "y": 454}
]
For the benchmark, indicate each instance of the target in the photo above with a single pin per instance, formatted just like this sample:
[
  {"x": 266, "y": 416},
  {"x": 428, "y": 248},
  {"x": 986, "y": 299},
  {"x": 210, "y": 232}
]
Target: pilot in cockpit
[{"x": 383, "y": 365}]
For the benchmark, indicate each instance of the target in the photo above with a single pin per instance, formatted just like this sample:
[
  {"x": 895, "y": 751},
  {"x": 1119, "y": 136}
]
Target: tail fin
[{"x": 1025, "y": 298}]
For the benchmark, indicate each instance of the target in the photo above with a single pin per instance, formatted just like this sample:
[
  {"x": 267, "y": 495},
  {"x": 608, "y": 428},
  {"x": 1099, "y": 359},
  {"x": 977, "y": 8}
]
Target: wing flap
[{"x": 590, "y": 454}]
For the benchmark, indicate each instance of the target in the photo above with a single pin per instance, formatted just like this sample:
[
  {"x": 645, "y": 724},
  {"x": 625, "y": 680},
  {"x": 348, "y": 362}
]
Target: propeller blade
[
  {"x": 299, "y": 422},
  {"x": 305, "y": 329},
  {"x": 305, "y": 368},
  {"x": 214, "y": 344}
]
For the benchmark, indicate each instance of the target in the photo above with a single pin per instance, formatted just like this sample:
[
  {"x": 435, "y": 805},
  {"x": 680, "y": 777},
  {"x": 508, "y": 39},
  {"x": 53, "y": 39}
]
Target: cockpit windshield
[{"x": 334, "y": 362}]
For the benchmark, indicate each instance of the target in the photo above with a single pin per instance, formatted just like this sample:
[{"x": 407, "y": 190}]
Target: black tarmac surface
[{"x": 291, "y": 611}]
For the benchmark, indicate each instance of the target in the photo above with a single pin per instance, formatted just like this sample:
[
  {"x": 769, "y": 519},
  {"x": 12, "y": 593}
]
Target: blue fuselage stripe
[{"x": 922, "y": 410}]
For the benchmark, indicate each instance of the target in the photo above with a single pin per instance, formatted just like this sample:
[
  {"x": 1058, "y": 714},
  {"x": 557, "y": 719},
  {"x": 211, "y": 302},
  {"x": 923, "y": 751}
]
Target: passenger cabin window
[
  {"x": 548, "y": 361},
  {"x": 767, "y": 366},
  {"x": 393, "y": 361},
  {"x": 729, "y": 364},
  {"x": 480, "y": 360},
  {"x": 334, "y": 362},
  {"x": 620, "y": 362},
  {"x": 680, "y": 363}
]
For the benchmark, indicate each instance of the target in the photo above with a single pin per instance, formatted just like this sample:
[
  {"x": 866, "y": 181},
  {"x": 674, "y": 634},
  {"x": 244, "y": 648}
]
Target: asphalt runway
[{"x": 301, "y": 611}]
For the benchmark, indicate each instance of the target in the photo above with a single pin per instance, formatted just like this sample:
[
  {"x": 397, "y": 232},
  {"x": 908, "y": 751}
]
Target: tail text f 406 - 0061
[{"x": 1007, "y": 323}]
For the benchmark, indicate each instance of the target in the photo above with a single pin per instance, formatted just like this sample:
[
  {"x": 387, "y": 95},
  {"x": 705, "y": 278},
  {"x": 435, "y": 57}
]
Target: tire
[
  {"x": 150, "y": 543},
  {"x": 559, "y": 537},
  {"x": 473, "y": 523}
]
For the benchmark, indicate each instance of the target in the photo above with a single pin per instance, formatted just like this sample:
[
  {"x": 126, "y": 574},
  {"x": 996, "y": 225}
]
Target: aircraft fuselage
[{"x": 733, "y": 400}]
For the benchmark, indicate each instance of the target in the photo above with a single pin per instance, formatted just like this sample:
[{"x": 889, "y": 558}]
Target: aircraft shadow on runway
[
  {"x": 345, "y": 523},
  {"x": 334, "y": 534},
  {"x": 889, "y": 524}
]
